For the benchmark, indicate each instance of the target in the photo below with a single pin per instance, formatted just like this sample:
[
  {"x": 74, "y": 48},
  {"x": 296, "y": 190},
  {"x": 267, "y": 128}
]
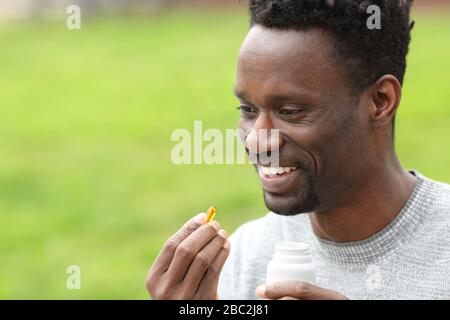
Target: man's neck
[{"x": 371, "y": 210}]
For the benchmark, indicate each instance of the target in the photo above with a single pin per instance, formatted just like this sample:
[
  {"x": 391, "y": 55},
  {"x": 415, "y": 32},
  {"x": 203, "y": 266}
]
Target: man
[{"x": 331, "y": 85}]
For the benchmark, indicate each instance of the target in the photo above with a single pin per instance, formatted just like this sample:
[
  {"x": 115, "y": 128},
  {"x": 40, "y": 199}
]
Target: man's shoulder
[
  {"x": 434, "y": 207},
  {"x": 439, "y": 193},
  {"x": 444, "y": 196}
]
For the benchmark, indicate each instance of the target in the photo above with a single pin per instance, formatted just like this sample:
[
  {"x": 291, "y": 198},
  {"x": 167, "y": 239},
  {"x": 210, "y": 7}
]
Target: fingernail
[
  {"x": 261, "y": 290},
  {"x": 223, "y": 233},
  {"x": 226, "y": 245},
  {"x": 200, "y": 218},
  {"x": 215, "y": 225}
]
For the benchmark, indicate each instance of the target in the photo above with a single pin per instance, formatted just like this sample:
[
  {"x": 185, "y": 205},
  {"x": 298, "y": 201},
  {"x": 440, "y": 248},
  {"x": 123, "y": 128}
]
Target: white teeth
[
  {"x": 271, "y": 171},
  {"x": 265, "y": 170}
]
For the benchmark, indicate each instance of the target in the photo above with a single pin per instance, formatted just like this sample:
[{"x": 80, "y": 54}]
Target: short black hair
[{"x": 367, "y": 53}]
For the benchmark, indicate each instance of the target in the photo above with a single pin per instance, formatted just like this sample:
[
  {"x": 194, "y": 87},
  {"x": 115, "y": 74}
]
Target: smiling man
[{"x": 313, "y": 70}]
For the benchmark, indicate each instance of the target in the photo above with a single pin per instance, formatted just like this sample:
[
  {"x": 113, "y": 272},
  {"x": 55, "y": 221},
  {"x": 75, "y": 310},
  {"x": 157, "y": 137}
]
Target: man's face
[{"x": 290, "y": 80}]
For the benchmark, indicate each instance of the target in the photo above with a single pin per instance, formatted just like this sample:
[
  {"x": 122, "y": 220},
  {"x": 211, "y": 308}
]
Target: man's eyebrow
[
  {"x": 279, "y": 97},
  {"x": 240, "y": 94},
  {"x": 274, "y": 97}
]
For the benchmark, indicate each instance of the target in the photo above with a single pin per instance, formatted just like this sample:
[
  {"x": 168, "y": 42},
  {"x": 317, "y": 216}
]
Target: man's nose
[{"x": 263, "y": 137}]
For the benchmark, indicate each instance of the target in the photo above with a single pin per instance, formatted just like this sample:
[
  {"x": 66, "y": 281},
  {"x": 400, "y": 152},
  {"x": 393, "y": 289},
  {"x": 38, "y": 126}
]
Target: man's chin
[{"x": 288, "y": 205}]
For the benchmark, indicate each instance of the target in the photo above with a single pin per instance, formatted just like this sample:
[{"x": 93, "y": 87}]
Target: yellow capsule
[{"x": 210, "y": 214}]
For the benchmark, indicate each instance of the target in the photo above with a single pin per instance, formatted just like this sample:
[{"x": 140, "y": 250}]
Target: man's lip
[
  {"x": 278, "y": 184},
  {"x": 281, "y": 165}
]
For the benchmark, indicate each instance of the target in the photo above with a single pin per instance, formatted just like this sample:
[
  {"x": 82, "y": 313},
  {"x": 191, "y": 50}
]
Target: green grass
[{"x": 85, "y": 124}]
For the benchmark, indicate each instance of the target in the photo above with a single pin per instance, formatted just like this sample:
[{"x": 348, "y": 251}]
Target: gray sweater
[{"x": 409, "y": 259}]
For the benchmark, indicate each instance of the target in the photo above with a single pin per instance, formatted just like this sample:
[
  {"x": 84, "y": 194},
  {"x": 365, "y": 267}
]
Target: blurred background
[{"x": 86, "y": 117}]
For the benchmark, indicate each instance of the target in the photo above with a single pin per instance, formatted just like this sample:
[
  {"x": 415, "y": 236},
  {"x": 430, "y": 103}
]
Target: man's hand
[
  {"x": 189, "y": 264},
  {"x": 296, "y": 290}
]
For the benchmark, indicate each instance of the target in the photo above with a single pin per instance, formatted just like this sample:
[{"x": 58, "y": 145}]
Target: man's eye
[
  {"x": 246, "y": 109},
  {"x": 290, "y": 111}
]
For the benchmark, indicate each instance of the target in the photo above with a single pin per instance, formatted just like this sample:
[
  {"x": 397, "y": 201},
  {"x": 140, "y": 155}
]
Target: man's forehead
[
  {"x": 274, "y": 58},
  {"x": 289, "y": 43}
]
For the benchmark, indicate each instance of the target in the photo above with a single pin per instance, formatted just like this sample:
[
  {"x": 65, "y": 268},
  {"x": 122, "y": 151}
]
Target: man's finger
[
  {"x": 204, "y": 259},
  {"x": 189, "y": 248},
  {"x": 211, "y": 278},
  {"x": 167, "y": 253},
  {"x": 298, "y": 290}
]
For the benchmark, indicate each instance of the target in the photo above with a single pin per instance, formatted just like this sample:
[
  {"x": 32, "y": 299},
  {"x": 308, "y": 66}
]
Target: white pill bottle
[{"x": 291, "y": 261}]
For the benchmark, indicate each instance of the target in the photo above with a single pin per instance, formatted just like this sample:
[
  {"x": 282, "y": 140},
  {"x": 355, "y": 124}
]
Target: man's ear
[{"x": 385, "y": 98}]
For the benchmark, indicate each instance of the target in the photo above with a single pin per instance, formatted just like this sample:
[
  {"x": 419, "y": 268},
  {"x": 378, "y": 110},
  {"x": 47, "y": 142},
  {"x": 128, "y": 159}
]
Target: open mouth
[
  {"x": 276, "y": 171},
  {"x": 279, "y": 180}
]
